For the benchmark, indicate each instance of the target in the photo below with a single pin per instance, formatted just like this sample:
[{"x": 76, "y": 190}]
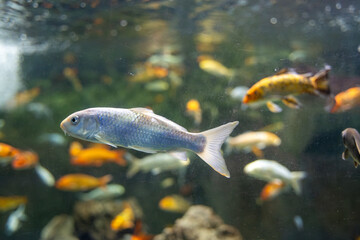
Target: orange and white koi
[
  {"x": 253, "y": 141},
  {"x": 95, "y": 156},
  {"x": 81, "y": 182},
  {"x": 283, "y": 85},
  {"x": 11, "y": 202},
  {"x": 345, "y": 100}
]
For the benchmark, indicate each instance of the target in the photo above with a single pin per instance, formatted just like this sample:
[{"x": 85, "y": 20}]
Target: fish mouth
[{"x": 63, "y": 128}]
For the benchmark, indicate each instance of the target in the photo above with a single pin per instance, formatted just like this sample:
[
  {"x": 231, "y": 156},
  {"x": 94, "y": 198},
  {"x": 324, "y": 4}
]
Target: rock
[
  {"x": 199, "y": 223},
  {"x": 93, "y": 218},
  {"x": 60, "y": 227}
]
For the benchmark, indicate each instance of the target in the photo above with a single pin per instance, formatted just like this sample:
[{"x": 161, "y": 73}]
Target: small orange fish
[
  {"x": 95, "y": 156},
  {"x": 138, "y": 234},
  {"x": 24, "y": 97},
  {"x": 272, "y": 189},
  {"x": 193, "y": 109},
  {"x": 282, "y": 85},
  {"x": 345, "y": 100},
  {"x": 11, "y": 202},
  {"x": 174, "y": 203},
  {"x": 7, "y": 151},
  {"x": 25, "y": 160},
  {"x": 123, "y": 220},
  {"x": 81, "y": 182},
  {"x": 210, "y": 65}
]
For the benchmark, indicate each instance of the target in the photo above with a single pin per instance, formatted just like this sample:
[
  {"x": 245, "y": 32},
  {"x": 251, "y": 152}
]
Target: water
[{"x": 83, "y": 54}]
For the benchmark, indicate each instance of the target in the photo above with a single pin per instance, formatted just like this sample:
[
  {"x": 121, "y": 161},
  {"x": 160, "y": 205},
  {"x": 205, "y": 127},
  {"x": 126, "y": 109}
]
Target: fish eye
[{"x": 75, "y": 120}]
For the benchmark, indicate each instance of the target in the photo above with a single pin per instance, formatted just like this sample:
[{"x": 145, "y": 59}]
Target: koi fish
[
  {"x": 45, "y": 175},
  {"x": 254, "y": 141},
  {"x": 174, "y": 203},
  {"x": 11, "y": 202},
  {"x": 81, "y": 182},
  {"x": 25, "y": 160},
  {"x": 351, "y": 140},
  {"x": 7, "y": 151},
  {"x": 15, "y": 220},
  {"x": 269, "y": 170},
  {"x": 123, "y": 220},
  {"x": 157, "y": 163},
  {"x": 141, "y": 129},
  {"x": 210, "y": 65},
  {"x": 283, "y": 85},
  {"x": 95, "y": 156},
  {"x": 345, "y": 100},
  {"x": 111, "y": 191},
  {"x": 193, "y": 109}
]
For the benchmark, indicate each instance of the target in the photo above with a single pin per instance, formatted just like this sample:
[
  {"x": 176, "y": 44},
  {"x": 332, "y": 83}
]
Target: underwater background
[{"x": 59, "y": 57}]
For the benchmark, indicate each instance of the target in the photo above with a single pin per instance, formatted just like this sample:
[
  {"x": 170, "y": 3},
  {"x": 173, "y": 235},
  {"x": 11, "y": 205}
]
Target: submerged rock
[
  {"x": 199, "y": 223},
  {"x": 93, "y": 218},
  {"x": 60, "y": 227}
]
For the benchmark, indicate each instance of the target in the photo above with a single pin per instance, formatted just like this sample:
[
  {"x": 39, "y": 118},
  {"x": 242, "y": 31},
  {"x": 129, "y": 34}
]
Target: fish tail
[
  {"x": 105, "y": 180},
  {"x": 214, "y": 139},
  {"x": 296, "y": 181},
  {"x": 45, "y": 175},
  {"x": 120, "y": 158},
  {"x": 321, "y": 81},
  {"x": 134, "y": 165},
  {"x": 332, "y": 106}
]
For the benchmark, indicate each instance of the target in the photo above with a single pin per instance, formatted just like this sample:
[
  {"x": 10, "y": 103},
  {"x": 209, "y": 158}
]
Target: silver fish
[
  {"x": 141, "y": 129},
  {"x": 268, "y": 170},
  {"x": 157, "y": 163},
  {"x": 111, "y": 191},
  {"x": 15, "y": 219}
]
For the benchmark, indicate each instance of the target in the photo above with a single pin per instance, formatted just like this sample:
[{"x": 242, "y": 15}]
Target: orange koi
[
  {"x": 95, "y": 156},
  {"x": 272, "y": 189},
  {"x": 282, "y": 85},
  {"x": 7, "y": 151},
  {"x": 25, "y": 160},
  {"x": 11, "y": 202},
  {"x": 174, "y": 203},
  {"x": 345, "y": 100},
  {"x": 124, "y": 220},
  {"x": 193, "y": 109},
  {"x": 81, "y": 182}
]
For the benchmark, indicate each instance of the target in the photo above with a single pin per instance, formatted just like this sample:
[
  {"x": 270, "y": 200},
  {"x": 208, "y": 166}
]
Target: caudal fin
[
  {"x": 321, "y": 80},
  {"x": 134, "y": 165},
  {"x": 214, "y": 139},
  {"x": 105, "y": 180},
  {"x": 296, "y": 181}
]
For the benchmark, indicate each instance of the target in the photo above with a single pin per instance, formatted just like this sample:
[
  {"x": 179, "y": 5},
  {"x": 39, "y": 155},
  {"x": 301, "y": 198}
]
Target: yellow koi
[{"x": 282, "y": 85}]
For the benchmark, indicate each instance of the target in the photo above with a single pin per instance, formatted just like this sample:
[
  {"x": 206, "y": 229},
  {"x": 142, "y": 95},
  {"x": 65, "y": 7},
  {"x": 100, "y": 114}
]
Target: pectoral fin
[
  {"x": 257, "y": 152},
  {"x": 273, "y": 107},
  {"x": 142, "y": 149},
  {"x": 291, "y": 102},
  {"x": 104, "y": 141},
  {"x": 345, "y": 154},
  {"x": 356, "y": 164}
]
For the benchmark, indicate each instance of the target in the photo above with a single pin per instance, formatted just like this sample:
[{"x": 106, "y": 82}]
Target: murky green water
[{"x": 65, "y": 56}]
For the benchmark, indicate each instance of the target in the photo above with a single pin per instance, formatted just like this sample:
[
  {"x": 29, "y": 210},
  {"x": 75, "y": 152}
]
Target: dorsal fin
[
  {"x": 150, "y": 113},
  {"x": 286, "y": 70}
]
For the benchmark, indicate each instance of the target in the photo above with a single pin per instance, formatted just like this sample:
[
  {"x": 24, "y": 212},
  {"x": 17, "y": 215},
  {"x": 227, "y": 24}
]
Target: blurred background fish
[
  {"x": 174, "y": 203},
  {"x": 81, "y": 182}
]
